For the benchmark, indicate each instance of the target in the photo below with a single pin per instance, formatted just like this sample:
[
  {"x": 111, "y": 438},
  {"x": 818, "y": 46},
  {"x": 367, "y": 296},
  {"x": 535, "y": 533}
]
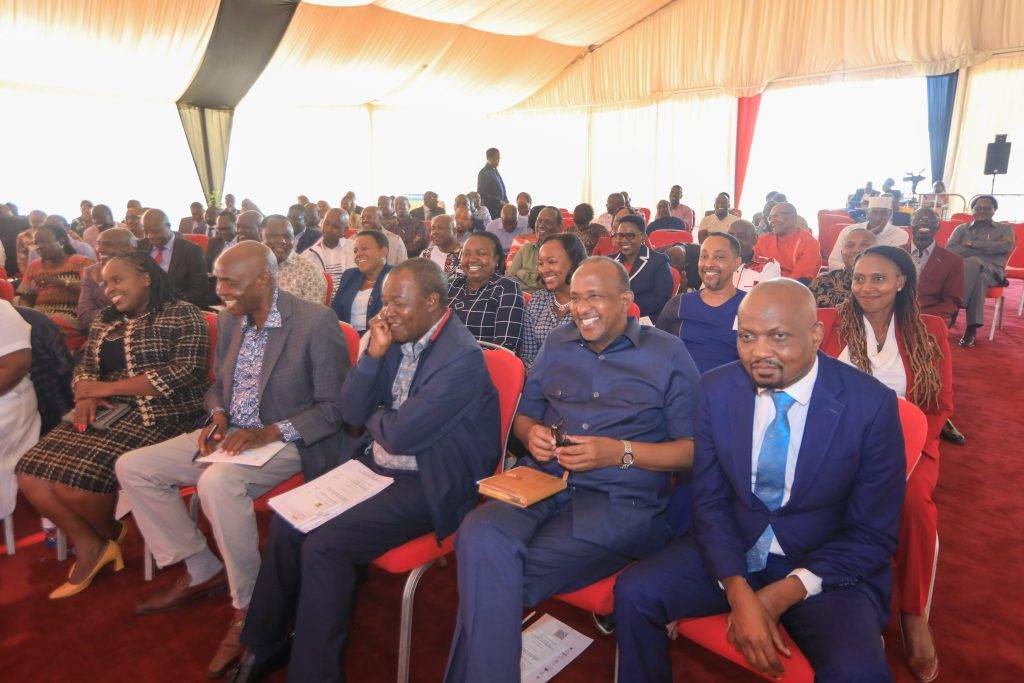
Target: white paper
[
  {"x": 548, "y": 647},
  {"x": 329, "y": 495},
  {"x": 646, "y": 320},
  {"x": 254, "y": 457}
]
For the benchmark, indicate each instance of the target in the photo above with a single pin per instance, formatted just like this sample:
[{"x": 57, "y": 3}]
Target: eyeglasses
[{"x": 625, "y": 236}]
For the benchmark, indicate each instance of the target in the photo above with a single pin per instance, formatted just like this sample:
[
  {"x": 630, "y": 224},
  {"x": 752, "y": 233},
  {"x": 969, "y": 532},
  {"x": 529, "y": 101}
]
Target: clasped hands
[
  {"x": 584, "y": 453},
  {"x": 753, "y": 621}
]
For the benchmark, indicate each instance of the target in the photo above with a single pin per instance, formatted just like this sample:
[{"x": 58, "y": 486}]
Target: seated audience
[
  {"x": 294, "y": 274},
  {"x": 102, "y": 219},
  {"x": 479, "y": 210},
  {"x": 489, "y": 304},
  {"x": 882, "y": 332},
  {"x": 522, "y": 257},
  {"x": 585, "y": 228},
  {"x": 832, "y": 289},
  {"x": 684, "y": 257},
  {"x": 430, "y": 412},
  {"x": 616, "y": 202},
  {"x": 444, "y": 250},
  {"x": 664, "y": 220},
  {"x": 248, "y": 226},
  {"x": 229, "y": 203},
  {"x": 753, "y": 268},
  {"x": 412, "y": 230},
  {"x": 78, "y": 245},
  {"x": 626, "y": 395},
  {"x": 332, "y": 253},
  {"x": 278, "y": 371},
  {"x": 985, "y": 247},
  {"x": 718, "y": 220},
  {"x": 26, "y": 240},
  {"x": 19, "y": 416},
  {"x": 312, "y": 215},
  {"x": 194, "y": 224},
  {"x": 222, "y": 237},
  {"x": 804, "y": 533},
  {"x": 475, "y": 224},
  {"x": 940, "y": 272},
  {"x": 529, "y": 237},
  {"x": 92, "y": 299},
  {"x": 878, "y": 223},
  {"x": 179, "y": 258},
  {"x": 464, "y": 224},
  {"x": 386, "y": 207},
  {"x": 133, "y": 221},
  {"x": 358, "y": 297},
  {"x": 430, "y": 209},
  {"x": 796, "y": 250},
  {"x": 678, "y": 209},
  {"x": 149, "y": 351},
  {"x": 322, "y": 207},
  {"x": 370, "y": 220},
  {"x": 305, "y": 236},
  {"x": 51, "y": 284},
  {"x": 508, "y": 227},
  {"x": 559, "y": 255},
  {"x": 524, "y": 209},
  {"x": 348, "y": 203},
  {"x": 650, "y": 276},
  {"x": 84, "y": 220},
  {"x": 706, "y": 319},
  {"x": 211, "y": 213}
]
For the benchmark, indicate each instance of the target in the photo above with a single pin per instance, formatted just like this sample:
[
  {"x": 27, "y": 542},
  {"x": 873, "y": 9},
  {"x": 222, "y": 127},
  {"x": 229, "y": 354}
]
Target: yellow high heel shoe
[{"x": 112, "y": 553}]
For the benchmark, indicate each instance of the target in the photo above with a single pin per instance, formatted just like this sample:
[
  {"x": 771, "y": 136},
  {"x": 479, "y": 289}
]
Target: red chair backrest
[
  {"x": 605, "y": 247},
  {"x": 646, "y": 212},
  {"x": 351, "y": 342},
  {"x": 211, "y": 325},
  {"x": 666, "y": 238},
  {"x": 677, "y": 278},
  {"x": 634, "y": 310},
  {"x": 958, "y": 218},
  {"x": 329, "y": 296},
  {"x": 915, "y": 432},
  {"x": 3, "y": 273},
  {"x": 827, "y": 237},
  {"x": 508, "y": 374},
  {"x": 6, "y": 291},
  {"x": 946, "y": 229},
  {"x": 827, "y": 218},
  {"x": 202, "y": 240},
  {"x": 526, "y": 297},
  {"x": 1016, "y": 259}
]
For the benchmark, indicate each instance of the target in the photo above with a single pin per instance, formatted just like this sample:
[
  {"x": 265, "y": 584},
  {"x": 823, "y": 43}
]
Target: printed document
[{"x": 329, "y": 495}]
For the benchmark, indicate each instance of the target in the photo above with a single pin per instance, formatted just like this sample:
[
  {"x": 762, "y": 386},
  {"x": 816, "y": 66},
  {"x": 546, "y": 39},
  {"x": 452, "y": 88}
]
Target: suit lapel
[
  {"x": 643, "y": 257},
  {"x": 228, "y": 380},
  {"x": 276, "y": 338},
  {"x": 741, "y": 417},
  {"x": 823, "y": 415}
]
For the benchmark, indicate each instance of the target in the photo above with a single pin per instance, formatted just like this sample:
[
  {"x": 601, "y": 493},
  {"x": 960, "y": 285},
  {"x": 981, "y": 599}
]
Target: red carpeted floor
[{"x": 977, "y": 614}]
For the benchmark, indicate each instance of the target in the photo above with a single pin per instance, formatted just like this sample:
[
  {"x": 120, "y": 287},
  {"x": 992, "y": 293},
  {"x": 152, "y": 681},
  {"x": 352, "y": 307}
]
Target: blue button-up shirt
[
  {"x": 245, "y": 383},
  {"x": 641, "y": 387}
]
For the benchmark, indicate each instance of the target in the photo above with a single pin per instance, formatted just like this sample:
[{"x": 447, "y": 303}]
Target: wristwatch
[{"x": 627, "y": 455}]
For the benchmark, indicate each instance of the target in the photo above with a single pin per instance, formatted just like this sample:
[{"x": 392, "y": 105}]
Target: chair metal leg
[
  {"x": 62, "y": 545},
  {"x": 405, "y": 627},
  {"x": 997, "y": 319},
  {"x": 1020, "y": 304},
  {"x": 9, "y": 534},
  {"x": 148, "y": 563}
]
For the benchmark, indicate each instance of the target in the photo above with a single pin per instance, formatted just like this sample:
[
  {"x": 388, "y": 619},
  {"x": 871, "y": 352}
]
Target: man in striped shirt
[{"x": 332, "y": 253}]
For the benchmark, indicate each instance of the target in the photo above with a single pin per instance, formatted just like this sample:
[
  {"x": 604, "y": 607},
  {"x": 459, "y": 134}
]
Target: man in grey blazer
[{"x": 279, "y": 368}]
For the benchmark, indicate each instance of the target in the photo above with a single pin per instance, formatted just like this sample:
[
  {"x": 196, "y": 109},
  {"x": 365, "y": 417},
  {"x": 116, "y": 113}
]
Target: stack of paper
[
  {"x": 254, "y": 457},
  {"x": 329, "y": 495},
  {"x": 548, "y": 647}
]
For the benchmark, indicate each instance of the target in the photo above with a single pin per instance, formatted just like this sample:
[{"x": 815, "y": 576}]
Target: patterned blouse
[
  {"x": 540, "y": 319},
  {"x": 833, "y": 288},
  {"x": 589, "y": 234},
  {"x": 302, "y": 278},
  {"x": 59, "y": 303},
  {"x": 493, "y": 313}
]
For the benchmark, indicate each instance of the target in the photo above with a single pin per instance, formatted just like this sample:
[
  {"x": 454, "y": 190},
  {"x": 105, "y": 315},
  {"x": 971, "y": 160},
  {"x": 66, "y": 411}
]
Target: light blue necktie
[{"x": 770, "y": 485}]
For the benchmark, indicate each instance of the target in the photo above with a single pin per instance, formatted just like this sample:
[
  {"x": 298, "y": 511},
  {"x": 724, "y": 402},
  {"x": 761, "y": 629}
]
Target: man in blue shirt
[
  {"x": 664, "y": 220},
  {"x": 627, "y": 396}
]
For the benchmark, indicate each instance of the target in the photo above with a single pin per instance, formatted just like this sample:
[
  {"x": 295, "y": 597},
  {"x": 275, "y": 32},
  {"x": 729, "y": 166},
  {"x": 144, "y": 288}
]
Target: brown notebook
[{"x": 522, "y": 486}]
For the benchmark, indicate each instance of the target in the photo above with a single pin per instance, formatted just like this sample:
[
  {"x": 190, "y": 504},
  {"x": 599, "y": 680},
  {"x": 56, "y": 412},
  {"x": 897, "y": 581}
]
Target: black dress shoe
[
  {"x": 605, "y": 623},
  {"x": 951, "y": 434},
  {"x": 253, "y": 665},
  {"x": 969, "y": 339}
]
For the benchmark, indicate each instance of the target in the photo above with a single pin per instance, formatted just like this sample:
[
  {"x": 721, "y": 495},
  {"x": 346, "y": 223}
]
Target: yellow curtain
[{"x": 740, "y": 46}]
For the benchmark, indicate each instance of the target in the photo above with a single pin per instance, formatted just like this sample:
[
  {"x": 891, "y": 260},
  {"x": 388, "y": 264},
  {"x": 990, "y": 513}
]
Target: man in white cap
[{"x": 878, "y": 223}]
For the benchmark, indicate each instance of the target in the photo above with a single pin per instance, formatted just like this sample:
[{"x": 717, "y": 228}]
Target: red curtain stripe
[{"x": 746, "y": 120}]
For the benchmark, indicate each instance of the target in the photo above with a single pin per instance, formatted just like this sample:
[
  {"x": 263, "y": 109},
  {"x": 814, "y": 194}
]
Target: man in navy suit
[
  {"x": 489, "y": 184},
  {"x": 423, "y": 394},
  {"x": 626, "y": 395},
  {"x": 798, "y": 480}
]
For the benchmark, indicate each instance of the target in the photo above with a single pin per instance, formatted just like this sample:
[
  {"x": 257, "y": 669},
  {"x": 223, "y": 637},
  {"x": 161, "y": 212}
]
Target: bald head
[
  {"x": 156, "y": 228},
  {"x": 248, "y": 225},
  {"x": 246, "y": 278},
  {"x": 509, "y": 217},
  {"x": 746, "y": 235},
  {"x": 370, "y": 219},
  {"x": 115, "y": 242},
  {"x": 778, "y": 333}
]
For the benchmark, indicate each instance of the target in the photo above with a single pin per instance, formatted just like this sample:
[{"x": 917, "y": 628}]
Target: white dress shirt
[
  {"x": 760, "y": 270},
  {"x": 712, "y": 223},
  {"x": 886, "y": 362},
  {"x": 891, "y": 235},
  {"x": 764, "y": 413}
]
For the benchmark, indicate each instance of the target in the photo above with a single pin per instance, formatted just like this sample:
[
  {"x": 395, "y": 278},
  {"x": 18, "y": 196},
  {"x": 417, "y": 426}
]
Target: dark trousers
[
  {"x": 508, "y": 559},
  {"x": 839, "y": 630},
  {"x": 314, "y": 575}
]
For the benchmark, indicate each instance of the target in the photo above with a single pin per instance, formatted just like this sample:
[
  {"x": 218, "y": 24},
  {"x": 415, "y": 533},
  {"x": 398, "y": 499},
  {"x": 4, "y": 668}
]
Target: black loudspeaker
[{"x": 997, "y": 158}]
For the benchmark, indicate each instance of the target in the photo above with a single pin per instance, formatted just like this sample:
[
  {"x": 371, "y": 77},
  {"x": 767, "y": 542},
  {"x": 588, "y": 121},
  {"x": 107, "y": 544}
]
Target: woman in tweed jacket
[{"x": 148, "y": 350}]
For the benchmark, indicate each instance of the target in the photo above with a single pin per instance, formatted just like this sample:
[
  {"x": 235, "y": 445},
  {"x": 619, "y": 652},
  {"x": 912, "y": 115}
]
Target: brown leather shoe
[
  {"x": 180, "y": 593},
  {"x": 230, "y": 648}
]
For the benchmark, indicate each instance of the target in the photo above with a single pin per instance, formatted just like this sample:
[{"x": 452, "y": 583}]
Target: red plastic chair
[
  {"x": 415, "y": 557},
  {"x": 946, "y": 229},
  {"x": 329, "y": 296},
  {"x": 958, "y": 218},
  {"x": 202, "y": 240},
  {"x": 634, "y": 310},
  {"x": 677, "y": 279},
  {"x": 605, "y": 247},
  {"x": 660, "y": 239},
  {"x": 997, "y": 319},
  {"x": 6, "y": 291},
  {"x": 646, "y": 214},
  {"x": 1015, "y": 264},
  {"x": 3, "y": 273},
  {"x": 827, "y": 237}
]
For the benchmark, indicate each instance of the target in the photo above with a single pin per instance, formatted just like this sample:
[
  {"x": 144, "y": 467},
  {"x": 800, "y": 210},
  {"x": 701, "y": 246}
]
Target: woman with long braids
[
  {"x": 149, "y": 351},
  {"x": 882, "y": 331}
]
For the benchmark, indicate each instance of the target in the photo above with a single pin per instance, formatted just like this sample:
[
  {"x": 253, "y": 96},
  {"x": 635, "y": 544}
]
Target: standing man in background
[{"x": 489, "y": 184}]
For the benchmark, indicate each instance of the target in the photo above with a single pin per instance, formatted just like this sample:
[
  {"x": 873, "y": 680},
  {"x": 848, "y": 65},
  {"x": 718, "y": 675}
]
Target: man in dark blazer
[
  {"x": 489, "y": 184},
  {"x": 279, "y": 367},
  {"x": 429, "y": 210},
  {"x": 940, "y": 272},
  {"x": 422, "y": 392},
  {"x": 179, "y": 258},
  {"x": 626, "y": 395},
  {"x": 224, "y": 236},
  {"x": 305, "y": 235},
  {"x": 798, "y": 480}
]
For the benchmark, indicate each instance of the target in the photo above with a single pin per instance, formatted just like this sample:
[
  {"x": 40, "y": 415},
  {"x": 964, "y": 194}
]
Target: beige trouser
[{"x": 151, "y": 478}]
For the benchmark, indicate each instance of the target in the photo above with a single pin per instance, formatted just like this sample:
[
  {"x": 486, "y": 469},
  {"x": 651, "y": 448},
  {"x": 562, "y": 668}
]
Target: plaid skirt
[{"x": 86, "y": 460}]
